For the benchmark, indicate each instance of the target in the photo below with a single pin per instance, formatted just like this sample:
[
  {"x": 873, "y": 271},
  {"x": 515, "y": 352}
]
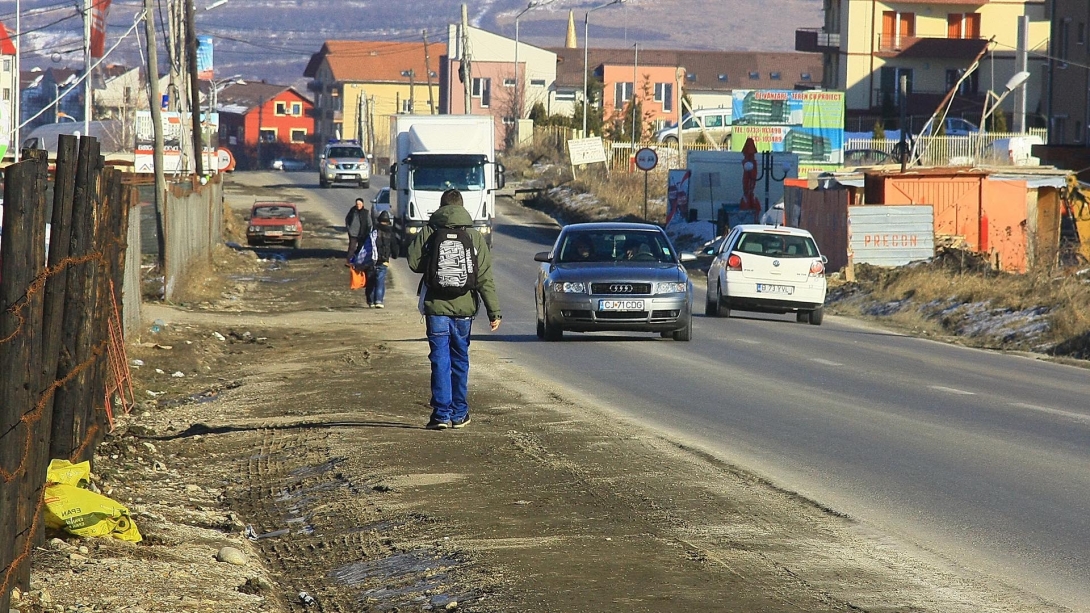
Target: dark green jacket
[{"x": 452, "y": 216}]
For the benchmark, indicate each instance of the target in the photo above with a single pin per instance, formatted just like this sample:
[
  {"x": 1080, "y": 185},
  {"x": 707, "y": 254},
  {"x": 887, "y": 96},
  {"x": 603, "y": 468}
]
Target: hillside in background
[{"x": 273, "y": 39}]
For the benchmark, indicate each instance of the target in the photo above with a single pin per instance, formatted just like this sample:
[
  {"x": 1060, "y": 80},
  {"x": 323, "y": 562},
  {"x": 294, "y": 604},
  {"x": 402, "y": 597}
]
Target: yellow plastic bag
[
  {"x": 63, "y": 471},
  {"x": 80, "y": 511}
]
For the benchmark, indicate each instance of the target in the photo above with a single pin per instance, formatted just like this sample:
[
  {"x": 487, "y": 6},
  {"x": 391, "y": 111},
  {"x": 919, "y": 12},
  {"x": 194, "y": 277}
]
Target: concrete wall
[{"x": 193, "y": 224}]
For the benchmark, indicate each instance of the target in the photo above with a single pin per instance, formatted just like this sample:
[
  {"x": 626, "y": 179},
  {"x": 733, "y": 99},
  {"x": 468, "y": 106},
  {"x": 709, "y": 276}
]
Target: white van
[
  {"x": 714, "y": 124},
  {"x": 1017, "y": 150}
]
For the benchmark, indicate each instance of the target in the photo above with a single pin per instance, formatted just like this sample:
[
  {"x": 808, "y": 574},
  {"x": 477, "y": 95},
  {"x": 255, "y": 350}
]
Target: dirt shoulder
[{"x": 300, "y": 415}]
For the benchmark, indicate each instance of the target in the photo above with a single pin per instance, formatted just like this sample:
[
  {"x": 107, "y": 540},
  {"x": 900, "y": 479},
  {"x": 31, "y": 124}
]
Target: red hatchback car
[{"x": 274, "y": 223}]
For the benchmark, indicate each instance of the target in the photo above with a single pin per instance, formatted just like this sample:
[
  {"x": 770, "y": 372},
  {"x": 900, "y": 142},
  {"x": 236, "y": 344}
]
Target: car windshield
[
  {"x": 442, "y": 178},
  {"x": 273, "y": 212},
  {"x": 778, "y": 245},
  {"x": 383, "y": 197},
  {"x": 345, "y": 152},
  {"x": 615, "y": 246}
]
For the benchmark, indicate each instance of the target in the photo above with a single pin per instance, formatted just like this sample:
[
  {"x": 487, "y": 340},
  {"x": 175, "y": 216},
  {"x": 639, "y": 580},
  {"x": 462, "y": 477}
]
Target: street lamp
[
  {"x": 586, "y": 57},
  {"x": 411, "y": 74},
  {"x": 1013, "y": 83}
]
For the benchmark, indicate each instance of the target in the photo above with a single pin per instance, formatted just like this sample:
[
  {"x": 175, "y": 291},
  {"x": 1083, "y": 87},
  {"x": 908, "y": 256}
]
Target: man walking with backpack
[{"x": 457, "y": 268}]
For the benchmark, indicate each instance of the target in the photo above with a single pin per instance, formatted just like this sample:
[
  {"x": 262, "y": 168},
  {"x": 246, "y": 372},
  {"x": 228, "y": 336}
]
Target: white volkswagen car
[{"x": 774, "y": 269}]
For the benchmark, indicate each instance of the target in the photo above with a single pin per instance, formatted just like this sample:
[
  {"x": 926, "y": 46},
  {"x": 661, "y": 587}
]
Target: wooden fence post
[
  {"x": 69, "y": 406},
  {"x": 20, "y": 353}
]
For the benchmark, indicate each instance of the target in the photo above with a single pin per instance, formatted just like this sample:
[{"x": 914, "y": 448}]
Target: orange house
[{"x": 654, "y": 87}]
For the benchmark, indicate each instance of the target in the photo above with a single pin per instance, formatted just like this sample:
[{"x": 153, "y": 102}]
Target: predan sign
[{"x": 586, "y": 150}]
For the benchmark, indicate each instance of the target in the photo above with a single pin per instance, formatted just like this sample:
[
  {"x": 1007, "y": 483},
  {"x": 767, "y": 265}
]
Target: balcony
[
  {"x": 927, "y": 48},
  {"x": 816, "y": 40}
]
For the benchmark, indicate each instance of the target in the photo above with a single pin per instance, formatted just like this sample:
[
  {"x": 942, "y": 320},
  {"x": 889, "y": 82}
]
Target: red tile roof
[
  {"x": 373, "y": 61},
  {"x": 6, "y": 46}
]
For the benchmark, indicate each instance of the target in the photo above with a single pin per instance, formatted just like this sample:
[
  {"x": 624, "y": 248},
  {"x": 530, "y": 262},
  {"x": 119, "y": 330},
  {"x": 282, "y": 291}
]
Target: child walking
[{"x": 386, "y": 248}]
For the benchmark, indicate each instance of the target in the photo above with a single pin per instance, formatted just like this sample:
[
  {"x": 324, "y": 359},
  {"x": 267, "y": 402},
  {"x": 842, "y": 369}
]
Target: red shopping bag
[{"x": 358, "y": 279}]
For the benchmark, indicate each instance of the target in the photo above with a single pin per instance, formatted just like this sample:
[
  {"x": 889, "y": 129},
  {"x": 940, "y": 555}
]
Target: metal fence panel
[{"x": 891, "y": 235}]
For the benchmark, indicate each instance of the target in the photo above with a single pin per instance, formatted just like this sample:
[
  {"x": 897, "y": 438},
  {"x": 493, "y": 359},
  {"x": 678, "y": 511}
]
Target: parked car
[
  {"x": 716, "y": 124},
  {"x": 288, "y": 165},
  {"x": 274, "y": 223},
  {"x": 954, "y": 126},
  {"x": 774, "y": 269},
  {"x": 380, "y": 203},
  {"x": 867, "y": 157},
  {"x": 614, "y": 277}
]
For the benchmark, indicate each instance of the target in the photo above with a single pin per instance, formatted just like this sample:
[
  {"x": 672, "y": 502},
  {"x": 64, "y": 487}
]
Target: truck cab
[{"x": 435, "y": 153}]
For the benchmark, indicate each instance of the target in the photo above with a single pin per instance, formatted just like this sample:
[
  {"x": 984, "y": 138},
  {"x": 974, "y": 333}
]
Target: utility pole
[
  {"x": 467, "y": 70},
  {"x": 635, "y": 78},
  {"x": 155, "y": 104},
  {"x": 427, "y": 68},
  {"x": 1021, "y": 63},
  {"x": 360, "y": 121},
  {"x": 86, "y": 67},
  {"x": 195, "y": 92}
]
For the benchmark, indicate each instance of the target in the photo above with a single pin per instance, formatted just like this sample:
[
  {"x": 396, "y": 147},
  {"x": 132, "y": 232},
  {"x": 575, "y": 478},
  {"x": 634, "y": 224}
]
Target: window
[
  {"x": 968, "y": 87},
  {"x": 896, "y": 27},
  {"x": 622, "y": 92},
  {"x": 891, "y": 83},
  {"x": 690, "y": 76},
  {"x": 806, "y": 76},
  {"x": 754, "y": 75},
  {"x": 7, "y": 94},
  {"x": 1064, "y": 42},
  {"x": 281, "y": 108},
  {"x": 482, "y": 88},
  {"x": 7, "y": 65},
  {"x": 565, "y": 94},
  {"x": 1080, "y": 34},
  {"x": 298, "y": 135},
  {"x": 664, "y": 93},
  {"x": 963, "y": 25},
  {"x": 508, "y": 121},
  {"x": 722, "y": 77},
  {"x": 775, "y": 76},
  {"x": 537, "y": 82},
  {"x": 267, "y": 135},
  {"x": 508, "y": 82},
  {"x": 1078, "y": 131},
  {"x": 297, "y": 109},
  {"x": 713, "y": 121}
]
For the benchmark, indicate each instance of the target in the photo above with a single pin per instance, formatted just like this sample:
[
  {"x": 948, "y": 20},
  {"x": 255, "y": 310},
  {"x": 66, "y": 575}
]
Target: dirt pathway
[{"x": 300, "y": 414}]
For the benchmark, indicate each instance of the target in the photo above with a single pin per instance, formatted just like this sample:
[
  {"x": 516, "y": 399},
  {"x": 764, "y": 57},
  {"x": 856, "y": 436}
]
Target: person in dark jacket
[
  {"x": 385, "y": 250},
  {"x": 358, "y": 224},
  {"x": 449, "y": 318}
]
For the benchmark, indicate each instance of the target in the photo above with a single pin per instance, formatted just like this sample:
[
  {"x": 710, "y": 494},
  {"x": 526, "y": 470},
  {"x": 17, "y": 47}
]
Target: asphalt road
[{"x": 980, "y": 458}]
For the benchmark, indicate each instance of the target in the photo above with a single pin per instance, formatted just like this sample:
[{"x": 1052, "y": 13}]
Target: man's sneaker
[
  {"x": 379, "y": 305},
  {"x": 438, "y": 425},
  {"x": 462, "y": 423}
]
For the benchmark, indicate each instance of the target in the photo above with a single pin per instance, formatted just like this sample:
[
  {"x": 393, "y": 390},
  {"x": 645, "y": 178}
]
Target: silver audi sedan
[{"x": 613, "y": 277}]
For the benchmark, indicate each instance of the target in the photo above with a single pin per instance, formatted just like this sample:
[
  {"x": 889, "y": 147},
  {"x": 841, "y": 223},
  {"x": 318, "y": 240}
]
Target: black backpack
[{"x": 452, "y": 262}]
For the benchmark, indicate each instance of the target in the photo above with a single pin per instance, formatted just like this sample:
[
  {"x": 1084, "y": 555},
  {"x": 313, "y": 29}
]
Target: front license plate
[
  {"x": 620, "y": 305},
  {"x": 765, "y": 288},
  {"x": 274, "y": 233},
  {"x": 345, "y": 177}
]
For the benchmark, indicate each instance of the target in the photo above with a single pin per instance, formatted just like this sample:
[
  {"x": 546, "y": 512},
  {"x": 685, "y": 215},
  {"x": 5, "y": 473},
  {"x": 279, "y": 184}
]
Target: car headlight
[
  {"x": 331, "y": 165},
  {"x": 569, "y": 288},
  {"x": 671, "y": 288},
  {"x": 413, "y": 229},
  {"x": 253, "y": 229}
]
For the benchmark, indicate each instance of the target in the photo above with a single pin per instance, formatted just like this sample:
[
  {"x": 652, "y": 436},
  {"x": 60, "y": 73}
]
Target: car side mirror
[
  {"x": 824, "y": 260},
  {"x": 370, "y": 157},
  {"x": 688, "y": 257},
  {"x": 393, "y": 177},
  {"x": 501, "y": 176},
  {"x": 542, "y": 256}
]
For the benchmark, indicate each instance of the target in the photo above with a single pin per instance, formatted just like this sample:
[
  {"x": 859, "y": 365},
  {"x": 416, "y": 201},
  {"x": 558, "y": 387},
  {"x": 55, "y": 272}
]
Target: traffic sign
[{"x": 646, "y": 159}]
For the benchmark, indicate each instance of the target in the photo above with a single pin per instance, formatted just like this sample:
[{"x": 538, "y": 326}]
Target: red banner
[{"x": 99, "y": 8}]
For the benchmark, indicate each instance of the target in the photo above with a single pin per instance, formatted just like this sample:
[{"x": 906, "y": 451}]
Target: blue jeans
[
  {"x": 448, "y": 338},
  {"x": 376, "y": 284}
]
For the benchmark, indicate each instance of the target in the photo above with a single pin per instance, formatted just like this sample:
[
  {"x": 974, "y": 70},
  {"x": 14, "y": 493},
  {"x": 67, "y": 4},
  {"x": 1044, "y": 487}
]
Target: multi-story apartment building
[
  {"x": 1069, "y": 67},
  {"x": 8, "y": 89},
  {"x": 868, "y": 45}
]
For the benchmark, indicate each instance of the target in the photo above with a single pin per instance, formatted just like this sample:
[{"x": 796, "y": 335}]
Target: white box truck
[{"x": 434, "y": 153}]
